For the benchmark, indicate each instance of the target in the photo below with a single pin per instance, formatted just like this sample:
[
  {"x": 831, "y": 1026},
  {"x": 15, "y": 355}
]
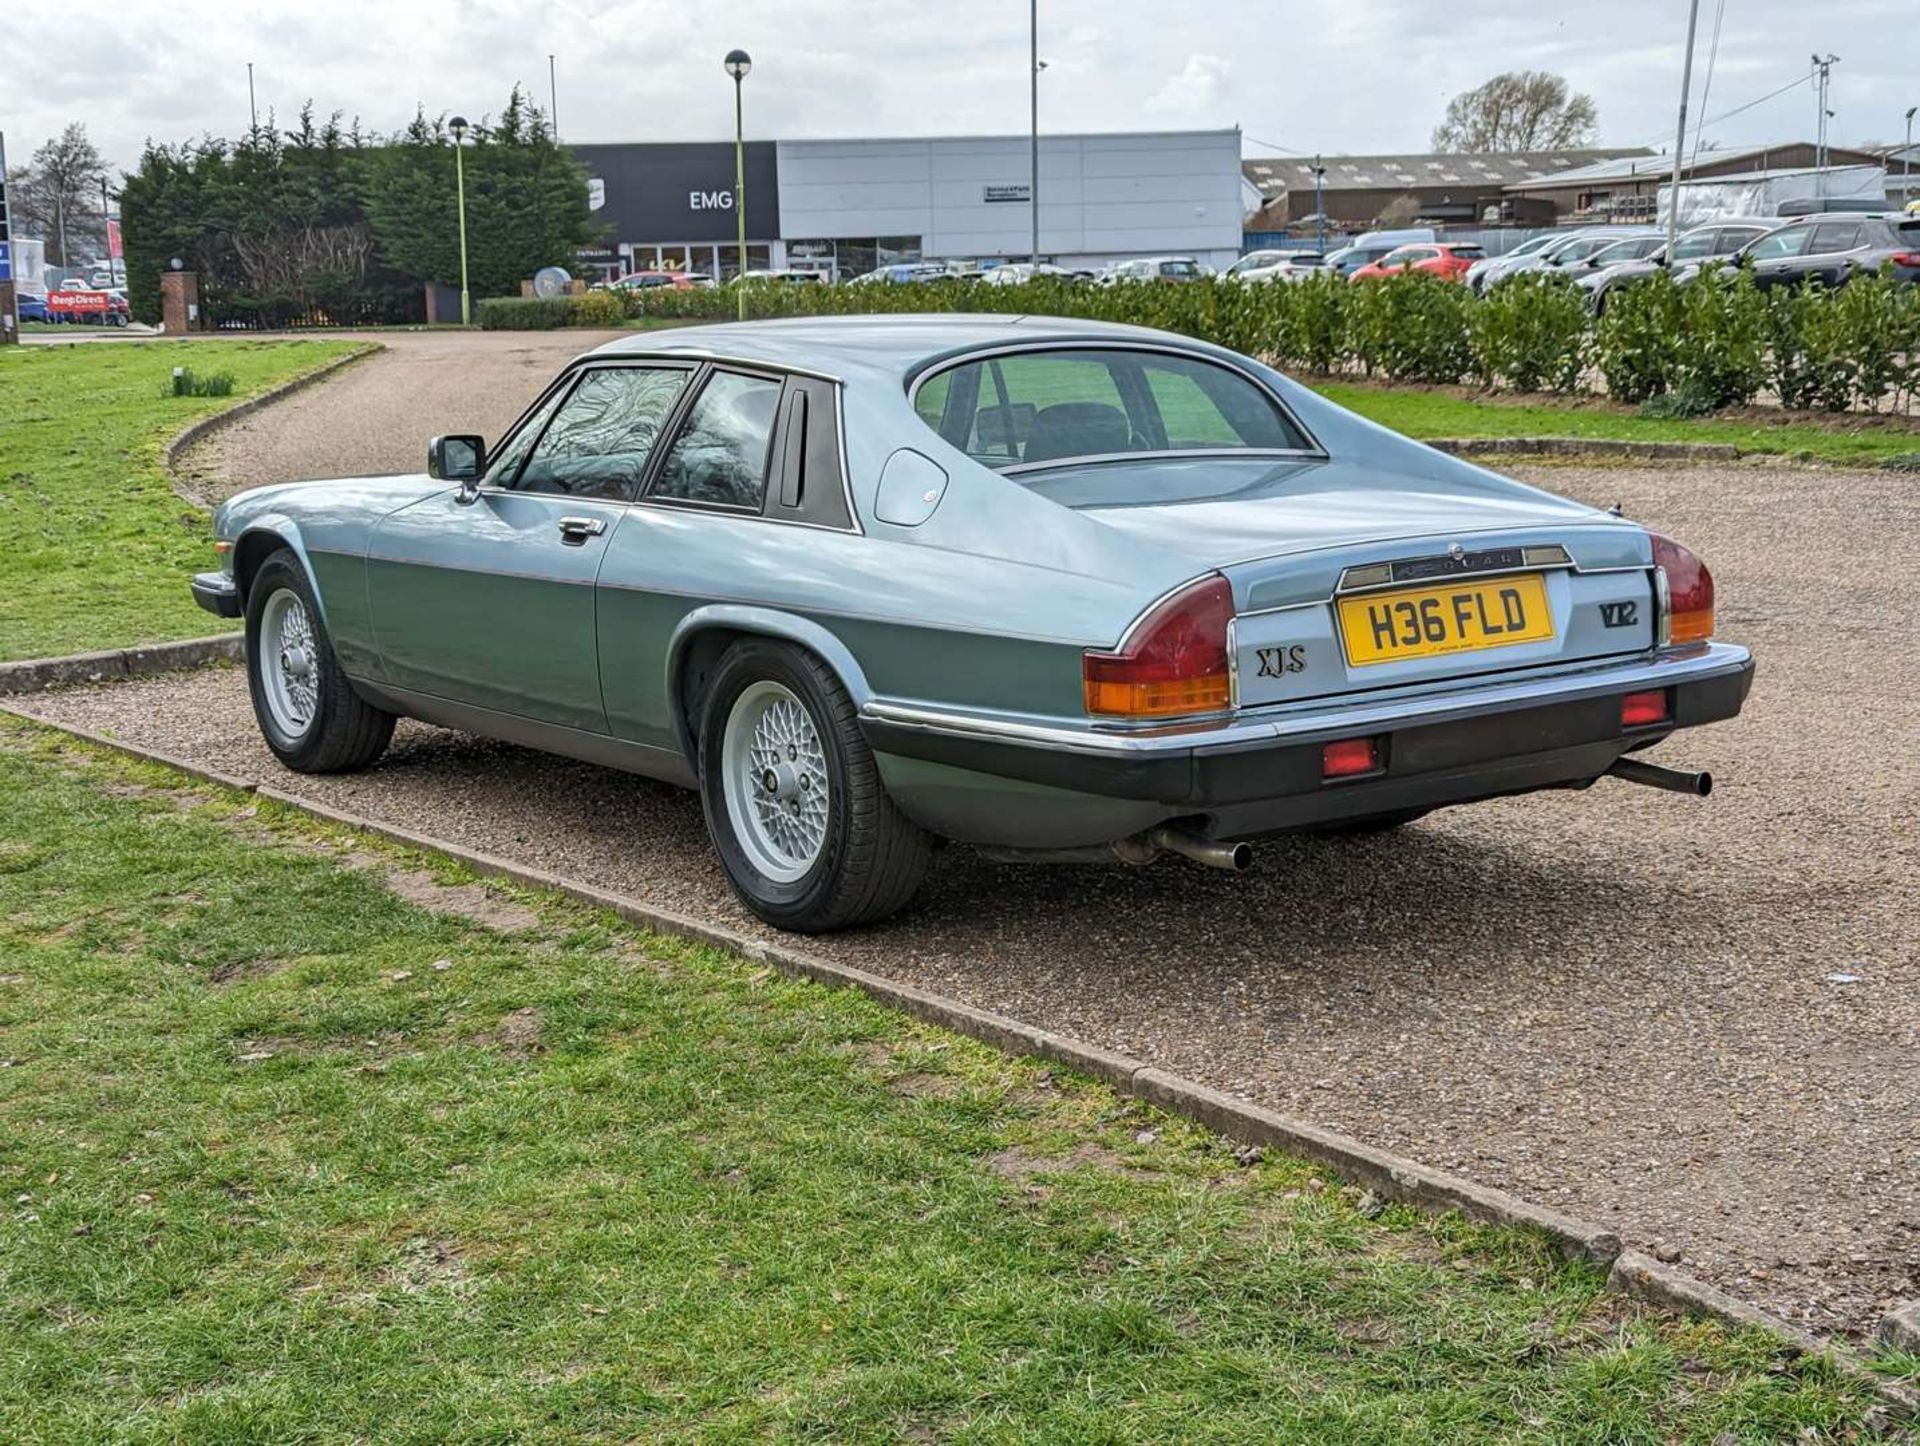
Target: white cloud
[
  {"x": 1363, "y": 75},
  {"x": 1195, "y": 91}
]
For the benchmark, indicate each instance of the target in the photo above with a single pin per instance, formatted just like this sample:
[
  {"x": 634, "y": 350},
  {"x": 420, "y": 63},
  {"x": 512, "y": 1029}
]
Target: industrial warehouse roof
[
  {"x": 1623, "y": 167},
  {"x": 1273, "y": 176}
]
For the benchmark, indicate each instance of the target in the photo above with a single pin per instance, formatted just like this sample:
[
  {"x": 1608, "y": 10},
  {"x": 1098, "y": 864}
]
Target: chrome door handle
[{"x": 579, "y": 529}]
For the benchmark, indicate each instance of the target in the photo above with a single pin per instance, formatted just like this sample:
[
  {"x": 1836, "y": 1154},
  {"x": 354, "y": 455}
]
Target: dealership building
[{"x": 845, "y": 207}]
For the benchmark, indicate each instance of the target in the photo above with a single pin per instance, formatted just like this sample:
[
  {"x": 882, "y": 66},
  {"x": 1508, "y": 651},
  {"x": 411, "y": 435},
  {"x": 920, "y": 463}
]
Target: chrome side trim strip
[{"x": 1710, "y": 661}]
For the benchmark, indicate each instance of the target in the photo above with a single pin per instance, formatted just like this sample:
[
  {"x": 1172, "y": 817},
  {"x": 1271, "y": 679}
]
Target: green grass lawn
[
  {"x": 95, "y": 547},
  {"x": 1857, "y": 440},
  {"x": 285, "y": 1157}
]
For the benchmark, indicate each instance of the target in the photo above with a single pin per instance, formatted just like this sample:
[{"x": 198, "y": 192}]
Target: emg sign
[{"x": 710, "y": 200}]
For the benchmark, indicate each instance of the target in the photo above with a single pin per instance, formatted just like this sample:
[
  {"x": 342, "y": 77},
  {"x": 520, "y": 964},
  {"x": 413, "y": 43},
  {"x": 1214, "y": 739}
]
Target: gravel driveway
[
  {"x": 378, "y": 415},
  {"x": 1698, "y": 1021}
]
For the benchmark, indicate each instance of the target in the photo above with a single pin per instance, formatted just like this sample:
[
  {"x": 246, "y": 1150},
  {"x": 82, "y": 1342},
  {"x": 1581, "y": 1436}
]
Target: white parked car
[
  {"x": 1014, "y": 273},
  {"x": 1276, "y": 266},
  {"x": 1156, "y": 268}
]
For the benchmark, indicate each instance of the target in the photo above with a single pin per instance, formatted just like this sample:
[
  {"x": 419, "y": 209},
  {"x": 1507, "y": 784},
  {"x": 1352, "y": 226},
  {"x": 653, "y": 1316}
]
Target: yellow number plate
[{"x": 1462, "y": 617}]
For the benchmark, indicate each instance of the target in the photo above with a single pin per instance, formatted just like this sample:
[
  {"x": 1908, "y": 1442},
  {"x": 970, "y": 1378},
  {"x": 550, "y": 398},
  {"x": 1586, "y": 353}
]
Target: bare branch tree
[
  {"x": 60, "y": 190},
  {"x": 1522, "y": 110}
]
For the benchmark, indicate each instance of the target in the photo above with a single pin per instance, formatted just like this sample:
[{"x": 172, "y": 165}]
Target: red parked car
[{"x": 1448, "y": 260}]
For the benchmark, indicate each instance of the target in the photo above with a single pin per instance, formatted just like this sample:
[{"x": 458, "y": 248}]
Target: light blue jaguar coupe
[{"x": 1054, "y": 589}]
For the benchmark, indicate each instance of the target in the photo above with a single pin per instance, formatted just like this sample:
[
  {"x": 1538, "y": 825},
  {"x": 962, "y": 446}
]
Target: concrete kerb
[
  {"x": 1388, "y": 1175},
  {"x": 36, "y": 675},
  {"x": 207, "y": 426},
  {"x": 1587, "y": 447}
]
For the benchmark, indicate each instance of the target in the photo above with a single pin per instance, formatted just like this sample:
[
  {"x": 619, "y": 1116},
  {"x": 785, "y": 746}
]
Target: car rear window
[{"x": 1026, "y": 408}]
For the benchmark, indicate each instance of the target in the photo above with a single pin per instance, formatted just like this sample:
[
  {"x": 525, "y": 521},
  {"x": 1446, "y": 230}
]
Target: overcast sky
[{"x": 1348, "y": 76}]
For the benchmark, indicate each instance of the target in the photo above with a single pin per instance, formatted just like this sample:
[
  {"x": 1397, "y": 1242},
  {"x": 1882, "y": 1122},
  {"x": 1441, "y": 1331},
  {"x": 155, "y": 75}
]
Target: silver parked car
[{"x": 1056, "y": 589}]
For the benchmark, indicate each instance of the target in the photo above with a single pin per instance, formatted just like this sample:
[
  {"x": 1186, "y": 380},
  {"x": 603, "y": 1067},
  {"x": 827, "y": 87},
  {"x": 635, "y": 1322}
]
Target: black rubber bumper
[
  {"x": 1272, "y": 784},
  {"x": 215, "y": 592}
]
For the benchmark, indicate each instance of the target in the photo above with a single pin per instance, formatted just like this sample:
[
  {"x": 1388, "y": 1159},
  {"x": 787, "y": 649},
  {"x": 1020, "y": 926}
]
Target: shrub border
[{"x": 1396, "y": 1177}]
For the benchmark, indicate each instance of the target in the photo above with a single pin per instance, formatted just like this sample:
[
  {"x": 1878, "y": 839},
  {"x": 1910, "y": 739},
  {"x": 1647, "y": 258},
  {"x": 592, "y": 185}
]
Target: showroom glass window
[
  {"x": 1047, "y": 406},
  {"x": 720, "y": 456},
  {"x": 600, "y": 438}
]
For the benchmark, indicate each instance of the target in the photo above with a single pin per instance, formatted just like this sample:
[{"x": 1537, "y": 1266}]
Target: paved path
[
  {"x": 378, "y": 415},
  {"x": 1624, "y": 1003}
]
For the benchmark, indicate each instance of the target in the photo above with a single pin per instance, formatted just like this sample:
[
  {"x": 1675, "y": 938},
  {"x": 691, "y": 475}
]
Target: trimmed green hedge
[
  {"x": 546, "y": 313},
  {"x": 1718, "y": 342}
]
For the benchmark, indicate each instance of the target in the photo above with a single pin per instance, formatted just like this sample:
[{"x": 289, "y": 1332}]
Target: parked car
[
  {"x": 1703, "y": 245},
  {"x": 1616, "y": 253},
  {"x": 1834, "y": 248},
  {"x": 1449, "y": 260},
  {"x": 1058, "y": 589},
  {"x": 647, "y": 280},
  {"x": 31, "y": 307},
  {"x": 1570, "y": 249},
  {"x": 1156, "y": 268},
  {"x": 902, "y": 273},
  {"x": 1485, "y": 271},
  {"x": 1014, "y": 273},
  {"x": 781, "y": 277},
  {"x": 1276, "y": 266}
]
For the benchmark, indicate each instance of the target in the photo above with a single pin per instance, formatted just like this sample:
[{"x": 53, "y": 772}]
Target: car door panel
[
  {"x": 489, "y": 600},
  {"x": 489, "y": 603}
]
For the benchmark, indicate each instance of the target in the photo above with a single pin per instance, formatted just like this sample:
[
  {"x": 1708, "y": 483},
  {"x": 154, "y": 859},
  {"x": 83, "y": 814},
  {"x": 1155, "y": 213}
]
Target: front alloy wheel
[{"x": 309, "y": 715}]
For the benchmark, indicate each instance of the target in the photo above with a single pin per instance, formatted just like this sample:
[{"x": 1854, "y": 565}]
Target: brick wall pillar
[
  {"x": 9, "y": 315},
  {"x": 180, "y": 302}
]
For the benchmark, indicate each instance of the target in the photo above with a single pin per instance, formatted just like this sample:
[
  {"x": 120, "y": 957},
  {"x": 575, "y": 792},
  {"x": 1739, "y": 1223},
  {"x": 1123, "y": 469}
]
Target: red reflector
[
  {"x": 1348, "y": 757},
  {"x": 1639, "y": 709}
]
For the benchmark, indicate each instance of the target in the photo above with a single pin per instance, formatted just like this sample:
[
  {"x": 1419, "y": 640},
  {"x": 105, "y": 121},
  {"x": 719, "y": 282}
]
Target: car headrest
[{"x": 1077, "y": 429}]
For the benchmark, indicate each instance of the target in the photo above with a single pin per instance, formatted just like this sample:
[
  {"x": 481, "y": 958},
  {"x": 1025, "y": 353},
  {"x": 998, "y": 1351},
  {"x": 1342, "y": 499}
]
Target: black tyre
[
  {"x": 309, "y": 714},
  {"x": 805, "y": 830}
]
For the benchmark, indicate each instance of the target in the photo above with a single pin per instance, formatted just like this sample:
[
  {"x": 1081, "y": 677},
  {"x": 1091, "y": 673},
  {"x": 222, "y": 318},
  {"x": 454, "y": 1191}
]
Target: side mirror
[{"x": 459, "y": 459}]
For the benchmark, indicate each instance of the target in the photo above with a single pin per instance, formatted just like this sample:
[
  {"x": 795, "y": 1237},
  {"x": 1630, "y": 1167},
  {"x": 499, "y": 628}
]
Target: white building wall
[{"x": 1101, "y": 196}]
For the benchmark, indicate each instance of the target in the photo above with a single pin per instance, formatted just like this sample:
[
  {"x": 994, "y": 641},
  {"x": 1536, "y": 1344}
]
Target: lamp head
[
  {"x": 738, "y": 63},
  {"x": 458, "y": 125}
]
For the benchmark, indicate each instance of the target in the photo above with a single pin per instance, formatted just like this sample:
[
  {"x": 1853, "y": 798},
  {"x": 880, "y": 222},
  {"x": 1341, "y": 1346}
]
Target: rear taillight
[
  {"x": 1905, "y": 258},
  {"x": 1689, "y": 592},
  {"x": 1173, "y": 660}
]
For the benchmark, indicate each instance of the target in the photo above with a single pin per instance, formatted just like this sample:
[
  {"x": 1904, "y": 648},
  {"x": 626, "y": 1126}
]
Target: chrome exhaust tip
[
  {"x": 1674, "y": 780},
  {"x": 1234, "y": 857}
]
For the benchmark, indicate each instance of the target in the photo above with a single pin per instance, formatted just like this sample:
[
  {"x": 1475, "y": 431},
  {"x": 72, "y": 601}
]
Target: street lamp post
[
  {"x": 738, "y": 63},
  {"x": 1906, "y": 160},
  {"x": 458, "y": 125},
  {"x": 1033, "y": 131}
]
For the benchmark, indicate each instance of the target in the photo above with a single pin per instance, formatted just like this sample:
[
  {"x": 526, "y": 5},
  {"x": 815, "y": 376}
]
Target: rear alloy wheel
[
  {"x": 309, "y": 715},
  {"x": 805, "y": 830}
]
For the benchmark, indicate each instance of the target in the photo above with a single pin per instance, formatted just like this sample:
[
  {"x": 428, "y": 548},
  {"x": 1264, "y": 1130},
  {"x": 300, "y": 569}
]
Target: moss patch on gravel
[
  {"x": 1848, "y": 439},
  {"x": 286, "y": 1156},
  {"x": 95, "y": 547}
]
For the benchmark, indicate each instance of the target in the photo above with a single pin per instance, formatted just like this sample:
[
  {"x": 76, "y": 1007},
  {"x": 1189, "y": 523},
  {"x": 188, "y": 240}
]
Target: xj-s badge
[
  {"x": 1276, "y": 661},
  {"x": 1619, "y": 614}
]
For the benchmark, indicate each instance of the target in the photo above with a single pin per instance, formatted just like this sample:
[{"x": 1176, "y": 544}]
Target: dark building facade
[{"x": 671, "y": 205}]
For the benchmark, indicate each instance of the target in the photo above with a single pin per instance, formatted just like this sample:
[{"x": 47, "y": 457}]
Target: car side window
[
  {"x": 600, "y": 439},
  {"x": 720, "y": 456},
  {"x": 504, "y": 466},
  {"x": 1788, "y": 242},
  {"x": 1834, "y": 236}
]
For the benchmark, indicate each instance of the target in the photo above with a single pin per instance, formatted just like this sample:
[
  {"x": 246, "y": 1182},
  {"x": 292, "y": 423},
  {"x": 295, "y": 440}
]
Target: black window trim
[
  {"x": 563, "y": 386},
  {"x": 947, "y": 362},
  {"x": 676, "y": 425}
]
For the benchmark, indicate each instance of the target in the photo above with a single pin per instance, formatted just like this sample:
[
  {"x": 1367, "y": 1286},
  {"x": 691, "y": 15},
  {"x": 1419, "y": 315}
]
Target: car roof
[{"x": 891, "y": 345}]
